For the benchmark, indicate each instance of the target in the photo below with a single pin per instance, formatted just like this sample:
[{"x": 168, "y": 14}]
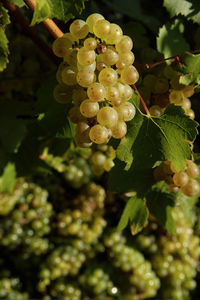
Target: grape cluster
[
  {"x": 184, "y": 180},
  {"x": 76, "y": 170},
  {"x": 161, "y": 87},
  {"x": 128, "y": 259},
  {"x": 97, "y": 282},
  {"x": 101, "y": 159},
  {"x": 176, "y": 259},
  {"x": 29, "y": 220},
  {"x": 62, "y": 261},
  {"x": 64, "y": 290},
  {"x": 96, "y": 73}
]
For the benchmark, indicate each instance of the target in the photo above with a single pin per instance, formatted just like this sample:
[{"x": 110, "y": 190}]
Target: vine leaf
[
  {"x": 53, "y": 115},
  {"x": 135, "y": 212},
  {"x": 190, "y": 69},
  {"x": 19, "y": 3},
  {"x": 4, "y": 51},
  {"x": 9, "y": 178},
  {"x": 60, "y": 9},
  {"x": 173, "y": 33},
  {"x": 153, "y": 139},
  {"x": 160, "y": 203},
  {"x": 189, "y": 9}
]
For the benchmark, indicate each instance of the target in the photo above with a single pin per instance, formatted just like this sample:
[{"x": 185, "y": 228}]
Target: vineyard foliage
[{"x": 38, "y": 141}]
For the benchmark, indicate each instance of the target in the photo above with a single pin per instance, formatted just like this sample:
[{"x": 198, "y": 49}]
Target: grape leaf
[
  {"x": 19, "y": 3},
  {"x": 190, "y": 68},
  {"x": 4, "y": 51},
  {"x": 160, "y": 204},
  {"x": 152, "y": 139},
  {"x": 189, "y": 9},
  {"x": 136, "y": 213},
  {"x": 173, "y": 33},
  {"x": 61, "y": 9},
  {"x": 139, "y": 180},
  {"x": 54, "y": 119},
  {"x": 8, "y": 179}
]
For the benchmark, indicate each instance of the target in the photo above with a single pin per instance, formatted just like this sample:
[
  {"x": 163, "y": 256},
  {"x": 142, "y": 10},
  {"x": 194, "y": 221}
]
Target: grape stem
[
  {"x": 141, "y": 100},
  {"x": 48, "y": 23},
  {"x": 30, "y": 31},
  {"x": 175, "y": 58}
]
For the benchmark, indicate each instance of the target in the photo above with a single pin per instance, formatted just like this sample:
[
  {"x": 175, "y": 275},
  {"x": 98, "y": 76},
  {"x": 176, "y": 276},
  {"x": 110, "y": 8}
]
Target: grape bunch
[
  {"x": 101, "y": 158},
  {"x": 176, "y": 259},
  {"x": 161, "y": 87},
  {"x": 184, "y": 180},
  {"x": 96, "y": 73},
  {"x": 29, "y": 220},
  {"x": 142, "y": 279}
]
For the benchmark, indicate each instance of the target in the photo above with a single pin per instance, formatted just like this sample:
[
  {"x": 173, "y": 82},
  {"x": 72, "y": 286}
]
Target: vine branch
[
  {"x": 141, "y": 100},
  {"x": 16, "y": 14},
  {"x": 48, "y": 23},
  {"x": 173, "y": 58}
]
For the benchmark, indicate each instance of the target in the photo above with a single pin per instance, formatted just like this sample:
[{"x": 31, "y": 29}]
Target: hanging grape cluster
[
  {"x": 96, "y": 73},
  {"x": 184, "y": 180}
]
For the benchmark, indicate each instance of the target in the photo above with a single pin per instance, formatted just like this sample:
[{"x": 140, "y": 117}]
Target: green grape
[
  {"x": 101, "y": 28},
  {"x": 119, "y": 130},
  {"x": 85, "y": 57},
  {"x": 99, "y": 134},
  {"x": 155, "y": 110},
  {"x": 114, "y": 35},
  {"x": 92, "y": 19},
  {"x": 125, "y": 44},
  {"x": 125, "y": 59},
  {"x": 107, "y": 116},
  {"x": 89, "y": 108},
  {"x": 85, "y": 78},
  {"x": 180, "y": 179},
  {"x": 96, "y": 92},
  {"x": 90, "y": 68},
  {"x": 79, "y": 29},
  {"x": 110, "y": 57},
  {"x": 126, "y": 111},
  {"x": 71, "y": 58},
  {"x": 90, "y": 44},
  {"x": 69, "y": 75},
  {"x": 176, "y": 96},
  {"x": 108, "y": 77},
  {"x": 192, "y": 169},
  {"x": 191, "y": 189},
  {"x": 129, "y": 75},
  {"x": 62, "y": 47}
]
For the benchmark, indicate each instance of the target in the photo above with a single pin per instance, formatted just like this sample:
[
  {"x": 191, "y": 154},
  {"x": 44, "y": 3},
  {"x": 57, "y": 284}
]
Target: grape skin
[
  {"x": 89, "y": 108},
  {"x": 99, "y": 134},
  {"x": 107, "y": 116}
]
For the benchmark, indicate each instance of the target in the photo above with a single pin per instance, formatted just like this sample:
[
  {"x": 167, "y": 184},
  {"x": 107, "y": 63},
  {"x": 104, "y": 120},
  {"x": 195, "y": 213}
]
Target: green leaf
[
  {"x": 152, "y": 139},
  {"x": 190, "y": 68},
  {"x": 54, "y": 120},
  {"x": 8, "y": 179},
  {"x": 61, "y": 9},
  {"x": 189, "y": 9},
  {"x": 160, "y": 204},
  {"x": 170, "y": 40},
  {"x": 19, "y": 3},
  {"x": 139, "y": 180},
  {"x": 4, "y": 51},
  {"x": 12, "y": 132},
  {"x": 136, "y": 213}
]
